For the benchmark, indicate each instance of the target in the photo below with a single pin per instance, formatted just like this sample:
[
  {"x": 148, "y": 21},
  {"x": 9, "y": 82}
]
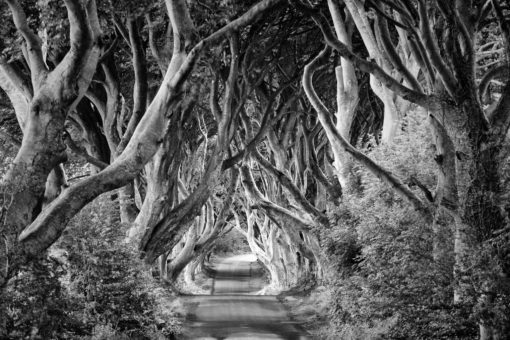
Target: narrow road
[{"x": 230, "y": 312}]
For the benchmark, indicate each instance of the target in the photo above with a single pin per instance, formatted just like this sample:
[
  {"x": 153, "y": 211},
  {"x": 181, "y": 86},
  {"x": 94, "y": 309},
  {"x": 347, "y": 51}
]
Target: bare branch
[
  {"x": 17, "y": 79},
  {"x": 109, "y": 51},
  {"x": 432, "y": 50},
  {"x": 75, "y": 71},
  {"x": 271, "y": 209},
  {"x": 49, "y": 225},
  {"x": 428, "y": 101},
  {"x": 152, "y": 44},
  {"x": 291, "y": 188},
  {"x": 339, "y": 141},
  {"x": 230, "y": 85},
  {"x": 394, "y": 57},
  {"x": 268, "y": 119},
  {"x": 386, "y": 16},
  {"x": 81, "y": 37},
  {"x": 34, "y": 51},
  {"x": 213, "y": 99},
  {"x": 82, "y": 153},
  {"x": 140, "y": 86},
  {"x": 122, "y": 30},
  {"x": 415, "y": 181},
  {"x": 333, "y": 188}
]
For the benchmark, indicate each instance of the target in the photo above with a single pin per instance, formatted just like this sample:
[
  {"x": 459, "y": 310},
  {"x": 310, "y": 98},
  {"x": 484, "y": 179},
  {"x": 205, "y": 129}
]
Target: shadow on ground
[{"x": 232, "y": 311}]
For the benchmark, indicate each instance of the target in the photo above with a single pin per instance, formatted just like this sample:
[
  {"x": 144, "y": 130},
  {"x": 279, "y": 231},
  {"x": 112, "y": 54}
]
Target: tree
[
  {"x": 40, "y": 233},
  {"x": 42, "y": 109},
  {"x": 469, "y": 140}
]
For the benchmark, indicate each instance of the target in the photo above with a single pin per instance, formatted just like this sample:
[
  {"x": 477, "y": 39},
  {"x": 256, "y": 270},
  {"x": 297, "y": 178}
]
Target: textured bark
[
  {"x": 279, "y": 240},
  {"x": 55, "y": 183},
  {"x": 446, "y": 194},
  {"x": 127, "y": 206},
  {"x": 19, "y": 92},
  {"x": 162, "y": 176},
  {"x": 166, "y": 233},
  {"x": 142, "y": 146},
  {"x": 163, "y": 265},
  {"x": 201, "y": 237},
  {"x": 478, "y": 213},
  {"x": 268, "y": 254},
  {"x": 140, "y": 86},
  {"x": 391, "y": 120},
  {"x": 293, "y": 191},
  {"x": 338, "y": 141},
  {"x": 170, "y": 229},
  {"x": 184, "y": 256},
  {"x": 42, "y": 149},
  {"x": 346, "y": 99}
]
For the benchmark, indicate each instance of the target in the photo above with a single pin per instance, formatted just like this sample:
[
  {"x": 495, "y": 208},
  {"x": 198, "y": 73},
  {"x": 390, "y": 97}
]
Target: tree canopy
[{"x": 360, "y": 145}]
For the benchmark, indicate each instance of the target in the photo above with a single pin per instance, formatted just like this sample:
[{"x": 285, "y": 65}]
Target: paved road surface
[{"x": 232, "y": 313}]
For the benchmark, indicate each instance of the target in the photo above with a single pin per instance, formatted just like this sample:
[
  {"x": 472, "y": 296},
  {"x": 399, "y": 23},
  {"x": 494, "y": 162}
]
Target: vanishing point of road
[{"x": 232, "y": 311}]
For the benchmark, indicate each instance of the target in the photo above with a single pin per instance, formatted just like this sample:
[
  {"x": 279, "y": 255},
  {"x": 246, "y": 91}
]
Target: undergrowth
[{"x": 90, "y": 285}]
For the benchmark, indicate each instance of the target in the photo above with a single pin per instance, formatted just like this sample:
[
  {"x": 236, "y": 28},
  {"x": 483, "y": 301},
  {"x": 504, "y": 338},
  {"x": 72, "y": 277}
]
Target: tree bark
[
  {"x": 147, "y": 136},
  {"x": 42, "y": 149}
]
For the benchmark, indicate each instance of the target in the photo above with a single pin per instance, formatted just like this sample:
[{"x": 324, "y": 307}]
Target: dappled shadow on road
[{"x": 232, "y": 313}]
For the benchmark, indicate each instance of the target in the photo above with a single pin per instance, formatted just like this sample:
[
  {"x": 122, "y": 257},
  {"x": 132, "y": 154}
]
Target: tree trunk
[
  {"x": 127, "y": 207},
  {"x": 185, "y": 255},
  {"x": 391, "y": 120},
  {"x": 479, "y": 213},
  {"x": 163, "y": 266},
  {"x": 42, "y": 149}
]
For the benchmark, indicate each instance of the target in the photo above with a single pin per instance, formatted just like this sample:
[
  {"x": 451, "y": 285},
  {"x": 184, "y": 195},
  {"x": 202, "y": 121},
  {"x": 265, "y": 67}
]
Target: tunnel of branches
[
  {"x": 243, "y": 150},
  {"x": 246, "y": 118}
]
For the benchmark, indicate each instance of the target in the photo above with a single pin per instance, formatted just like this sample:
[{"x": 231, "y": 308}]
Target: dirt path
[{"x": 233, "y": 312}]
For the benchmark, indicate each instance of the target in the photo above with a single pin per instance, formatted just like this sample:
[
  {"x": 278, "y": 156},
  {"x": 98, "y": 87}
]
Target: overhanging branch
[
  {"x": 336, "y": 138},
  {"x": 427, "y": 101}
]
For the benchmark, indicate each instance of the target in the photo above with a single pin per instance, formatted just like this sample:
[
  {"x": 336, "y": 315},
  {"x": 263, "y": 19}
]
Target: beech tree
[
  {"x": 469, "y": 138},
  {"x": 42, "y": 148},
  {"x": 263, "y": 134},
  {"x": 41, "y": 104}
]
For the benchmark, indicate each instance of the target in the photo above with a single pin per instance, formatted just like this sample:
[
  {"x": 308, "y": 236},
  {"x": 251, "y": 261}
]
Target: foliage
[
  {"x": 397, "y": 287},
  {"x": 35, "y": 305},
  {"x": 92, "y": 286},
  {"x": 108, "y": 275},
  {"x": 487, "y": 262}
]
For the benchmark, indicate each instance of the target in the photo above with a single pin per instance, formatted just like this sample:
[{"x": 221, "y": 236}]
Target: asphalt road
[{"x": 232, "y": 312}]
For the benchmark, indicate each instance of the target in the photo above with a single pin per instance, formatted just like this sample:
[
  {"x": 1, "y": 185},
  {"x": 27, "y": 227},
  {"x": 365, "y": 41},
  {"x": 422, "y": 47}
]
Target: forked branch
[
  {"x": 427, "y": 101},
  {"x": 337, "y": 140}
]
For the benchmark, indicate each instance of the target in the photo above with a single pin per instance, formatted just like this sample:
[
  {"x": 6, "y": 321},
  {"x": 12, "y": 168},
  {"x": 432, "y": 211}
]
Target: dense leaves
[
  {"x": 387, "y": 282},
  {"x": 91, "y": 287}
]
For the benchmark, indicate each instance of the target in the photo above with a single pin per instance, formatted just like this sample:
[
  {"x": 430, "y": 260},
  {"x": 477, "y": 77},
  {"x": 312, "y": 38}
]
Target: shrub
[
  {"x": 92, "y": 286},
  {"x": 109, "y": 277},
  {"x": 35, "y": 305},
  {"x": 399, "y": 286}
]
